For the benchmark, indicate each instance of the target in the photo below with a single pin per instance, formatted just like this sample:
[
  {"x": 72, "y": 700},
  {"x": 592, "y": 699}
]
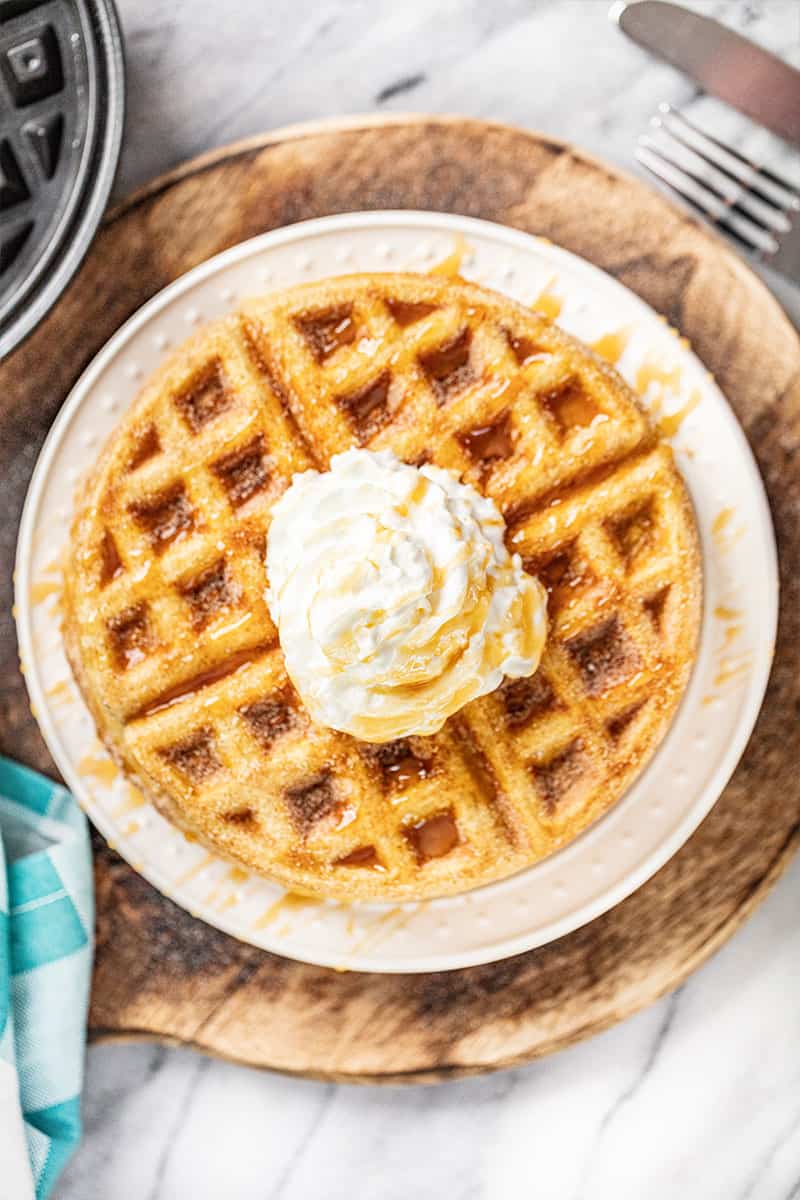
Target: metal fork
[{"x": 758, "y": 208}]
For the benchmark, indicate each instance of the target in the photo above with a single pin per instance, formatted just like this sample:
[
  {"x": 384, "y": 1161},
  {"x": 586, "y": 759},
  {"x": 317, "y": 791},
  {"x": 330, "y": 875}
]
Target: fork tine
[
  {"x": 764, "y": 172},
  {"x": 707, "y": 201},
  {"x": 728, "y": 189},
  {"x": 730, "y": 161}
]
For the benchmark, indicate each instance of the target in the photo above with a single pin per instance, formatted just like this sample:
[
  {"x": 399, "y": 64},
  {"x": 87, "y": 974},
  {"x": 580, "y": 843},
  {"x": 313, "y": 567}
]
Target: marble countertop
[{"x": 697, "y": 1097}]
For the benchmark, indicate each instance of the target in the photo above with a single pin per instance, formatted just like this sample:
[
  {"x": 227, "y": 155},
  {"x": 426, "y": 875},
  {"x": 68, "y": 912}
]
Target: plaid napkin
[{"x": 46, "y": 923}]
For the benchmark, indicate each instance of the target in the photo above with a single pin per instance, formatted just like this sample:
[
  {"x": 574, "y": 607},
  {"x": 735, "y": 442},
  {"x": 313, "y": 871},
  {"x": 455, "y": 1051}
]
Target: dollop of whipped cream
[{"x": 395, "y": 597}]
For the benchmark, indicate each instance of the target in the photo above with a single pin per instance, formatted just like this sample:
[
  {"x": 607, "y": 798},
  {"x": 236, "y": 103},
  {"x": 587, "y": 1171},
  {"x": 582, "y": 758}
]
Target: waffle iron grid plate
[{"x": 61, "y": 117}]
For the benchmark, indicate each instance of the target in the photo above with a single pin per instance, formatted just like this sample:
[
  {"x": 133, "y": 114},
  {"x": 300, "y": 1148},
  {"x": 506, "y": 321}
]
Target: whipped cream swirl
[{"x": 395, "y": 597}]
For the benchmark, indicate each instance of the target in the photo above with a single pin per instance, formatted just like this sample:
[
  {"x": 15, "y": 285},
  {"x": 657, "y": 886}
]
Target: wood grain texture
[{"x": 160, "y": 973}]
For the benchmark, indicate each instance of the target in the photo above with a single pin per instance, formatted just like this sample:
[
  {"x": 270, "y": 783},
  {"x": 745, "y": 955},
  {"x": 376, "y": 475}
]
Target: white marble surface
[{"x": 698, "y": 1097}]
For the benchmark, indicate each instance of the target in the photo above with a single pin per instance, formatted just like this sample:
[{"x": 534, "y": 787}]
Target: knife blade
[{"x": 724, "y": 63}]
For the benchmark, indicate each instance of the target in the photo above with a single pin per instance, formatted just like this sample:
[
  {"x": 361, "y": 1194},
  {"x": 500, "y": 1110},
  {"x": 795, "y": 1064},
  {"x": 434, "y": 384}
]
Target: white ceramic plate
[{"x": 712, "y": 726}]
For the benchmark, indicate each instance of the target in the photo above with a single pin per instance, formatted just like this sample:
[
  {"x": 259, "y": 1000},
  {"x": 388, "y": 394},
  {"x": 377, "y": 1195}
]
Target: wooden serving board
[{"x": 162, "y": 974}]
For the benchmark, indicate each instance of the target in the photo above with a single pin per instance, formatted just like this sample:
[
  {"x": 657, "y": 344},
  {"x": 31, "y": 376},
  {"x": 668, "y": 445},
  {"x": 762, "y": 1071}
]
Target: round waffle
[{"x": 171, "y": 642}]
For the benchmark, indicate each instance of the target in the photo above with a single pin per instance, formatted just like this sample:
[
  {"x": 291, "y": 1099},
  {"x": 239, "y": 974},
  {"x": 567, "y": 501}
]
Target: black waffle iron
[{"x": 61, "y": 111}]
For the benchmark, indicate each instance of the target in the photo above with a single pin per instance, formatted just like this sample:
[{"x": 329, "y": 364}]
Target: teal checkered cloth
[{"x": 46, "y": 924}]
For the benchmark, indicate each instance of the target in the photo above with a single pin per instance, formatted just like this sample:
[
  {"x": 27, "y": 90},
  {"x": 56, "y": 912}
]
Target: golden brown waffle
[{"x": 173, "y": 647}]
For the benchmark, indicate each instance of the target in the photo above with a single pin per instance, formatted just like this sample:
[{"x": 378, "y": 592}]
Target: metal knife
[{"x": 724, "y": 63}]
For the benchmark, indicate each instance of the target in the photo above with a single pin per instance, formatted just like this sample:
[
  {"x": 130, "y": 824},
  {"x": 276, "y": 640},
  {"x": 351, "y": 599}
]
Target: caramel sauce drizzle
[
  {"x": 726, "y": 614},
  {"x": 365, "y": 857},
  {"x": 44, "y": 589},
  {"x": 732, "y": 668},
  {"x": 407, "y": 770},
  {"x": 192, "y": 872},
  {"x": 669, "y": 425},
  {"x": 134, "y": 800},
  {"x": 236, "y": 662},
  {"x": 450, "y": 266},
  {"x": 289, "y": 902},
  {"x": 611, "y": 346},
  {"x": 721, "y": 532},
  {"x": 720, "y": 521},
  {"x": 213, "y": 895},
  {"x": 392, "y": 921},
  {"x": 104, "y": 770},
  {"x": 654, "y": 371},
  {"x": 547, "y": 304},
  {"x": 59, "y": 691},
  {"x": 434, "y": 836}
]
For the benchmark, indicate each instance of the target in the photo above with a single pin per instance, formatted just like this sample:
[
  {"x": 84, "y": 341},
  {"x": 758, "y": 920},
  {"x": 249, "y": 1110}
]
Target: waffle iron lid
[{"x": 61, "y": 116}]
